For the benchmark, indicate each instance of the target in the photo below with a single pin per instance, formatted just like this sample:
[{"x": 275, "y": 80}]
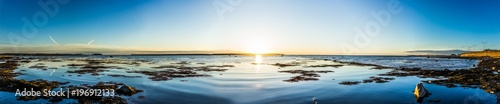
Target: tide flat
[{"x": 248, "y": 79}]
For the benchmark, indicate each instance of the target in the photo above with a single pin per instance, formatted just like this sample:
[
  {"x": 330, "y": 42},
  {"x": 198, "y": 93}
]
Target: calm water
[{"x": 249, "y": 83}]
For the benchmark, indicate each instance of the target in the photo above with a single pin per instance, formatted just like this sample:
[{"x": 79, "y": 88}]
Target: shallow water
[
  {"x": 261, "y": 83},
  {"x": 408, "y": 62}
]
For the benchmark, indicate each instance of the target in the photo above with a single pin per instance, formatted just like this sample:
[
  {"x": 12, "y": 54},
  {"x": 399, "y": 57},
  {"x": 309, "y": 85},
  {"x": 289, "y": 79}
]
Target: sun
[{"x": 258, "y": 47}]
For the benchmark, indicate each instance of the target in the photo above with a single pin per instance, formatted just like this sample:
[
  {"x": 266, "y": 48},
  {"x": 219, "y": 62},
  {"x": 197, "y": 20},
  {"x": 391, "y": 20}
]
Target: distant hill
[
  {"x": 436, "y": 52},
  {"x": 490, "y": 53}
]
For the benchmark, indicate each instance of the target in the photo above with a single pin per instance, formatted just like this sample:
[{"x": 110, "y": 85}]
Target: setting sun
[
  {"x": 258, "y": 48},
  {"x": 258, "y": 45}
]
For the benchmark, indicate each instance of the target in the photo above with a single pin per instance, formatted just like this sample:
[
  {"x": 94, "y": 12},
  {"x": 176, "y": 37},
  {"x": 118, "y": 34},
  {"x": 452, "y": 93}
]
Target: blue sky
[{"x": 285, "y": 26}]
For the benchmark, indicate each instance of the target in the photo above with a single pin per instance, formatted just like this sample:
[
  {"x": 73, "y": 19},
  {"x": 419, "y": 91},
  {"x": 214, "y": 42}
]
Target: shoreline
[
  {"x": 98, "y": 54},
  {"x": 484, "y": 75}
]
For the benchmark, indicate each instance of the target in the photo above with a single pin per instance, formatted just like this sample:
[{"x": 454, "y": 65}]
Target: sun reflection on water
[{"x": 258, "y": 61}]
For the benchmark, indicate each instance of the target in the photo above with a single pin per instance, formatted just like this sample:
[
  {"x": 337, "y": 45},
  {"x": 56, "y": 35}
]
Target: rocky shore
[
  {"x": 484, "y": 75},
  {"x": 8, "y": 83}
]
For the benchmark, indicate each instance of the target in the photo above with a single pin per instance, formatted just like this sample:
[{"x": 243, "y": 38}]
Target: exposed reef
[
  {"x": 9, "y": 83},
  {"x": 305, "y": 75}
]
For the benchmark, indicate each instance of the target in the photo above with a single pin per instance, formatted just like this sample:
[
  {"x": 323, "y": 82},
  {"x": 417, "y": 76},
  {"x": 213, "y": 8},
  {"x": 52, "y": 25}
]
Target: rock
[
  {"x": 367, "y": 81},
  {"x": 435, "y": 101},
  {"x": 420, "y": 90},
  {"x": 324, "y": 65},
  {"x": 381, "y": 67},
  {"x": 124, "y": 76},
  {"x": 450, "y": 85},
  {"x": 285, "y": 64},
  {"x": 314, "y": 100},
  {"x": 349, "y": 82},
  {"x": 127, "y": 90},
  {"x": 305, "y": 75},
  {"x": 171, "y": 73}
]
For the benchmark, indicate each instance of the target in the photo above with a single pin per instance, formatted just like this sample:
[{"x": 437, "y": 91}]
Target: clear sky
[{"x": 259, "y": 26}]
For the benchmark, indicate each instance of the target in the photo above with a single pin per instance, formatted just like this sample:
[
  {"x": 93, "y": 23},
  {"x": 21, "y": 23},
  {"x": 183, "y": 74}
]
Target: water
[
  {"x": 250, "y": 83},
  {"x": 408, "y": 62}
]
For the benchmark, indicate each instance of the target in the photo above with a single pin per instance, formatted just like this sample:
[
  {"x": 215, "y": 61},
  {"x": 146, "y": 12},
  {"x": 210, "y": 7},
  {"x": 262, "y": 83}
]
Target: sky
[{"x": 255, "y": 26}]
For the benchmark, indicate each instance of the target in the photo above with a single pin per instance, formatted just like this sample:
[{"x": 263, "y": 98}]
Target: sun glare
[
  {"x": 258, "y": 59},
  {"x": 258, "y": 47}
]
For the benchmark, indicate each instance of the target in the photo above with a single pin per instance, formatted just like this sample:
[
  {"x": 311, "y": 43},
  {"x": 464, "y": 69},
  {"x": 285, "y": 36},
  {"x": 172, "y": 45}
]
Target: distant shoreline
[
  {"x": 467, "y": 55},
  {"x": 486, "y": 53},
  {"x": 98, "y": 54}
]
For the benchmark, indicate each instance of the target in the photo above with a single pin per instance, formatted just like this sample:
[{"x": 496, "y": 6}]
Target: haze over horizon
[{"x": 254, "y": 26}]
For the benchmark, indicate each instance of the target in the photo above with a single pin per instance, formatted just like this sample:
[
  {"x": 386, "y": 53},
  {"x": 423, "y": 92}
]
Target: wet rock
[
  {"x": 38, "y": 67},
  {"x": 123, "y": 90},
  {"x": 7, "y": 69},
  {"x": 95, "y": 67},
  {"x": 87, "y": 71},
  {"x": 300, "y": 78},
  {"x": 127, "y": 90},
  {"x": 420, "y": 91},
  {"x": 349, "y": 82},
  {"x": 449, "y": 85},
  {"x": 368, "y": 81},
  {"x": 95, "y": 74},
  {"x": 182, "y": 62},
  {"x": 324, "y": 65},
  {"x": 409, "y": 69},
  {"x": 382, "y": 67},
  {"x": 480, "y": 76},
  {"x": 305, "y": 75},
  {"x": 205, "y": 69},
  {"x": 363, "y": 64},
  {"x": 169, "y": 74},
  {"x": 124, "y": 76},
  {"x": 220, "y": 66},
  {"x": 11, "y": 85},
  {"x": 285, "y": 65},
  {"x": 76, "y": 65},
  {"x": 201, "y": 68},
  {"x": 166, "y": 66},
  {"x": 377, "y": 79},
  {"x": 435, "y": 101},
  {"x": 305, "y": 71}
]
